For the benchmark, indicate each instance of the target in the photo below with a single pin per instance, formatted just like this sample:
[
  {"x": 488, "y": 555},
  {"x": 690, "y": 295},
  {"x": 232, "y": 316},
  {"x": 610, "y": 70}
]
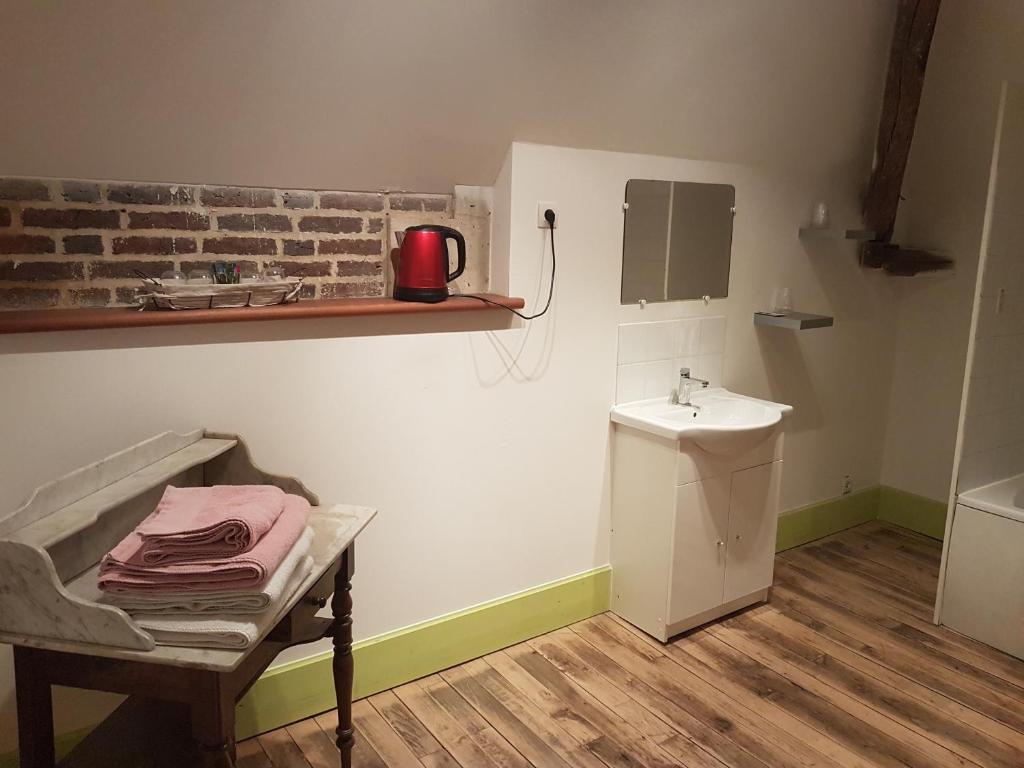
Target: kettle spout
[{"x": 399, "y": 236}]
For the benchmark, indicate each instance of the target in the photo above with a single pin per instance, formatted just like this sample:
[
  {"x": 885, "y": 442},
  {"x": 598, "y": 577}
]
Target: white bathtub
[
  {"x": 983, "y": 596},
  {"x": 1004, "y": 498}
]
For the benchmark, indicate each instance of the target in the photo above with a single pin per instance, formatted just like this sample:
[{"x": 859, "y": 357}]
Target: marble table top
[{"x": 335, "y": 528}]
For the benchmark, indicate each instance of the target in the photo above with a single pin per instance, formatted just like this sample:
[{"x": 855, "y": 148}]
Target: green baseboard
[
  {"x": 295, "y": 691},
  {"x": 816, "y": 521},
  {"x": 908, "y": 510}
]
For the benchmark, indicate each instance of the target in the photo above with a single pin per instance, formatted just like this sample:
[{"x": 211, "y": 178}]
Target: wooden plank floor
[{"x": 843, "y": 668}]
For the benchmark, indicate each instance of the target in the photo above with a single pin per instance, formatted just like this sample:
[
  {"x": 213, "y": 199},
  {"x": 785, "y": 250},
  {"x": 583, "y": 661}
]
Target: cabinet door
[
  {"x": 753, "y": 523},
  {"x": 698, "y": 548}
]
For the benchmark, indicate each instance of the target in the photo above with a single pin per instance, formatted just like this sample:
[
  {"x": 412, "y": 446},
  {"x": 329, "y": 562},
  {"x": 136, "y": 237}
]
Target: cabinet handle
[{"x": 720, "y": 543}]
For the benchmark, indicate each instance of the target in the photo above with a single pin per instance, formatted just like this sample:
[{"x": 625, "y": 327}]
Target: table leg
[
  {"x": 35, "y": 713},
  {"x": 341, "y": 606},
  {"x": 213, "y": 723}
]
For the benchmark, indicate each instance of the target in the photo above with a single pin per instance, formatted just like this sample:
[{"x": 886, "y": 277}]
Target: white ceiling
[{"x": 420, "y": 94}]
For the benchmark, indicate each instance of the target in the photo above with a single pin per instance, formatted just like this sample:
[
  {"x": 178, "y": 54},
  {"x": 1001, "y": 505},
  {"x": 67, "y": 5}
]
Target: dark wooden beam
[
  {"x": 902, "y": 262},
  {"x": 912, "y": 39}
]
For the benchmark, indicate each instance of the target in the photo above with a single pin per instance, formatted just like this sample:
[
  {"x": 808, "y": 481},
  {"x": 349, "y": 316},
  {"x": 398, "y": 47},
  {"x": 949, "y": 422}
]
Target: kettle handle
[{"x": 460, "y": 243}]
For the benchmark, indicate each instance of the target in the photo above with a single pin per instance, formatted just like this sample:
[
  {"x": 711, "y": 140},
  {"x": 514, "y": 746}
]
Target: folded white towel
[
  {"x": 234, "y": 632},
  {"x": 244, "y": 601}
]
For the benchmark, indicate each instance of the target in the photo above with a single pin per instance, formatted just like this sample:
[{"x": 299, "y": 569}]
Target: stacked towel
[
  {"x": 211, "y": 567},
  {"x": 124, "y": 569},
  {"x": 234, "y": 632},
  {"x": 238, "y": 601},
  {"x": 197, "y": 523}
]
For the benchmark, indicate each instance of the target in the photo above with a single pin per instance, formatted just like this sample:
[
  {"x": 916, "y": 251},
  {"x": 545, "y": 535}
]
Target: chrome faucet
[{"x": 686, "y": 382}]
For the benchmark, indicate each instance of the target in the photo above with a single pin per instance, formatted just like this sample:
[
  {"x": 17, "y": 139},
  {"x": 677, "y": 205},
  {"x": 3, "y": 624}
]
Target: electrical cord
[{"x": 549, "y": 217}]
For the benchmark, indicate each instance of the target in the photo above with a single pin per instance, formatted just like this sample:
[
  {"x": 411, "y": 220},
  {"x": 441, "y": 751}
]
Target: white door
[
  {"x": 698, "y": 551},
  {"x": 753, "y": 523}
]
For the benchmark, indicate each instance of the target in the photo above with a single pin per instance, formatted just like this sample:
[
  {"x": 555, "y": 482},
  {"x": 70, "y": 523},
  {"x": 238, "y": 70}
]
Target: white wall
[
  {"x": 364, "y": 94},
  {"x": 976, "y": 47},
  {"x": 451, "y": 433},
  {"x": 993, "y": 429}
]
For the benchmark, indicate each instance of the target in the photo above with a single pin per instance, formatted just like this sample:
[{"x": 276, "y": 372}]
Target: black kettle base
[{"x": 425, "y": 295}]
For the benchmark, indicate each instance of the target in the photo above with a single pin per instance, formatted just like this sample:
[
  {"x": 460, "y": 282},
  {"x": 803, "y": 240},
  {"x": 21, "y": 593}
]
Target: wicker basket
[{"x": 220, "y": 296}]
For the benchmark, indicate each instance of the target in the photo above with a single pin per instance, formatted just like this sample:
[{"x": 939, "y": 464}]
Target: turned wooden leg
[
  {"x": 35, "y": 712},
  {"x": 341, "y": 606},
  {"x": 213, "y": 723}
]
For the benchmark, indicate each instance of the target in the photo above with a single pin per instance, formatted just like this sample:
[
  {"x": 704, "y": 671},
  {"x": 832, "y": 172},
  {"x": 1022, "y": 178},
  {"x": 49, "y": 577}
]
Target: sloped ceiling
[{"x": 423, "y": 94}]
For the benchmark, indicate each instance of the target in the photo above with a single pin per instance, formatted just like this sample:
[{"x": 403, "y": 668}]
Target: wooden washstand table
[{"x": 49, "y": 554}]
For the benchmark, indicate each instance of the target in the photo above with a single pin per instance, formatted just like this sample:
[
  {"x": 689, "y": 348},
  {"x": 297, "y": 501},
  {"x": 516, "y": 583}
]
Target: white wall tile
[
  {"x": 661, "y": 339},
  {"x": 660, "y": 378},
  {"x": 712, "y": 336},
  {"x": 709, "y": 368},
  {"x": 632, "y": 343},
  {"x": 651, "y": 354},
  {"x": 629, "y": 383},
  {"x": 688, "y": 337},
  {"x": 981, "y": 396}
]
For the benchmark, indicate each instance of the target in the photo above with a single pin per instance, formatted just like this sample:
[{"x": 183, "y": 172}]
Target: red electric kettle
[{"x": 422, "y": 273}]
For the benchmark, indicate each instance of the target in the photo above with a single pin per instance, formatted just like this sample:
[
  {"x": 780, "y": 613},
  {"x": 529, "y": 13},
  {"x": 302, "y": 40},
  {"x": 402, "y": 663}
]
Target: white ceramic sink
[{"x": 724, "y": 423}]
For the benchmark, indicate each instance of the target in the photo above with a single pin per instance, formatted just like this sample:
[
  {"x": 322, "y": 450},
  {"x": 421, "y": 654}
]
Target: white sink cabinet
[{"x": 693, "y": 533}]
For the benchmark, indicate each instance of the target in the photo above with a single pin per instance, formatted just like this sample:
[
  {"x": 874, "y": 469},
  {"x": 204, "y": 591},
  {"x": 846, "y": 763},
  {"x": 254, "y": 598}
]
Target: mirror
[{"x": 677, "y": 242}]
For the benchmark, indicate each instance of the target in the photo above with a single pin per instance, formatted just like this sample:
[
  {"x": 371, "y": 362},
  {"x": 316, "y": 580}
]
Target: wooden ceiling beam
[{"x": 908, "y": 58}]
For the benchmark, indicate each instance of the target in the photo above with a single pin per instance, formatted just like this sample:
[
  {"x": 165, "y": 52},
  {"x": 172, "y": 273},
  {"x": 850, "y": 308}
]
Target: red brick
[
  {"x": 307, "y": 291},
  {"x": 333, "y": 224},
  {"x": 304, "y": 268},
  {"x": 299, "y": 247},
  {"x": 28, "y": 298},
  {"x": 359, "y": 268},
  {"x": 254, "y": 222},
  {"x": 41, "y": 271},
  {"x": 5, "y": 217},
  {"x": 298, "y": 199},
  {"x": 80, "y": 191},
  {"x": 238, "y": 197},
  {"x": 186, "y": 220},
  {"x": 89, "y": 297},
  {"x": 125, "y": 295},
  {"x": 157, "y": 246},
  {"x": 70, "y": 218},
  {"x": 23, "y": 189},
  {"x": 88, "y": 244},
  {"x": 151, "y": 194},
  {"x": 26, "y": 244},
  {"x": 374, "y": 226},
  {"x": 436, "y": 203},
  {"x": 356, "y": 246},
  {"x": 245, "y": 246},
  {"x": 352, "y": 201},
  {"x": 123, "y": 269},
  {"x": 351, "y": 290}
]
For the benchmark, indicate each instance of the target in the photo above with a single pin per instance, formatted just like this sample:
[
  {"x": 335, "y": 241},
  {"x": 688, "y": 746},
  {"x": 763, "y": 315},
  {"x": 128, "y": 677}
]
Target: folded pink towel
[
  {"x": 200, "y": 523},
  {"x": 123, "y": 570}
]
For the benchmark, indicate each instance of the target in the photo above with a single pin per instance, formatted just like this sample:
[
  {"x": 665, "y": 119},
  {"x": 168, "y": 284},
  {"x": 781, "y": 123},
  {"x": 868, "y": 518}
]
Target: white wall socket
[{"x": 542, "y": 206}]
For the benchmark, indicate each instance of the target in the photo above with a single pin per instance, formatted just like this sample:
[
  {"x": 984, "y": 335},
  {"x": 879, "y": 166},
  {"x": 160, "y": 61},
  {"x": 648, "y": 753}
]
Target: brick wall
[{"x": 74, "y": 243}]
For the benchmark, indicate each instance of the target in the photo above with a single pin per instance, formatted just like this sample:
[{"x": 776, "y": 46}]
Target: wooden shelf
[{"x": 37, "y": 320}]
